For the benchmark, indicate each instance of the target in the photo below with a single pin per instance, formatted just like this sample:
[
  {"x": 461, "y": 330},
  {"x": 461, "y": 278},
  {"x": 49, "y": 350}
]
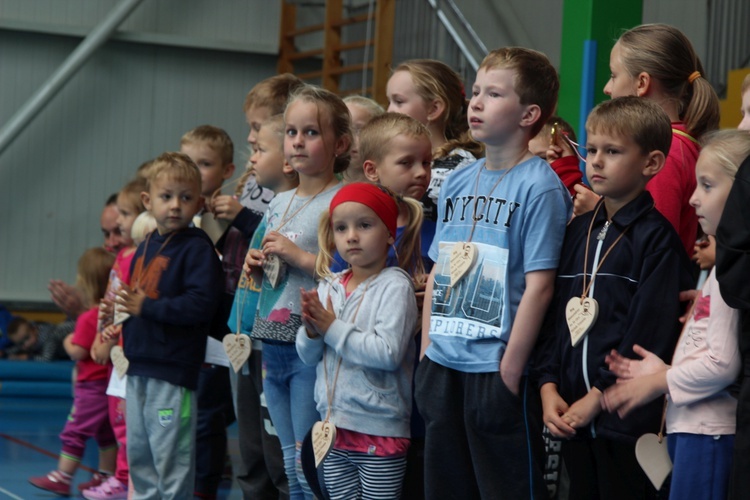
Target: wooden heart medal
[
  {"x": 274, "y": 267},
  {"x": 581, "y": 312},
  {"x": 464, "y": 253},
  {"x": 238, "y": 345},
  {"x": 324, "y": 432}
]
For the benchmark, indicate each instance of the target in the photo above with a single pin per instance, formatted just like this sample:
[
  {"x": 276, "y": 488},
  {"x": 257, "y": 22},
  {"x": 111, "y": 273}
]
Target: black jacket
[{"x": 637, "y": 291}]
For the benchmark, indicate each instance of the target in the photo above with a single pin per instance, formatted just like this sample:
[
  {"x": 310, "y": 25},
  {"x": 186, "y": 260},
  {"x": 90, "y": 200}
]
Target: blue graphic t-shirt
[{"x": 520, "y": 228}]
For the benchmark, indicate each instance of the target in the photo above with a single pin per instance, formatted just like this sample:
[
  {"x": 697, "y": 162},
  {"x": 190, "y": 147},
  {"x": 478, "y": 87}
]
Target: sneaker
[
  {"x": 53, "y": 482},
  {"x": 96, "y": 480},
  {"x": 110, "y": 489}
]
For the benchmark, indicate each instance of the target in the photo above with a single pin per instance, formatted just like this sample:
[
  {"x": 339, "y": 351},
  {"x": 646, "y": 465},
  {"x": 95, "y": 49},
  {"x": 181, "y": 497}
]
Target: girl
[
  {"x": 363, "y": 349},
  {"x": 129, "y": 206},
  {"x": 316, "y": 144},
  {"x": 432, "y": 93},
  {"x": 88, "y": 418},
  {"x": 657, "y": 61},
  {"x": 701, "y": 411}
]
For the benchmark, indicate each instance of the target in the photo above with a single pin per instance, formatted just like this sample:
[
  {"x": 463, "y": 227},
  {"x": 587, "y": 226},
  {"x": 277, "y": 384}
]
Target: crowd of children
[{"x": 427, "y": 292}]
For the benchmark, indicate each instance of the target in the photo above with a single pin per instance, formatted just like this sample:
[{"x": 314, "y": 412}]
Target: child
[
  {"x": 129, "y": 206},
  {"x": 260, "y": 472},
  {"x": 624, "y": 261},
  {"x": 550, "y": 145},
  {"x": 364, "y": 350},
  {"x": 657, "y": 61},
  {"x": 745, "y": 109},
  {"x": 37, "y": 341},
  {"x": 316, "y": 145},
  {"x": 362, "y": 109},
  {"x": 502, "y": 220},
  {"x": 701, "y": 411},
  {"x": 176, "y": 285},
  {"x": 88, "y": 418},
  {"x": 433, "y": 94}
]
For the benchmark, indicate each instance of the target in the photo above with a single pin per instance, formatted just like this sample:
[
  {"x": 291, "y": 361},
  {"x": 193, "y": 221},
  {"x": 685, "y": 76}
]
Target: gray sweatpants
[{"x": 161, "y": 438}]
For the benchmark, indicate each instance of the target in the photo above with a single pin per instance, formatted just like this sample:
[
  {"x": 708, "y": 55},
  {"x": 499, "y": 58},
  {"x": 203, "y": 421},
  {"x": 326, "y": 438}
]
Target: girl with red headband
[{"x": 358, "y": 328}]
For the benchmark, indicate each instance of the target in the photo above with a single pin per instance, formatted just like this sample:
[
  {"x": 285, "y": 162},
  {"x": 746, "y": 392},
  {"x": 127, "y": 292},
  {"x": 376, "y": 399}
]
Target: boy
[
  {"x": 177, "y": 283},
  {"x": 625, "y": 262},
  {"x": 499, "y": 232}
]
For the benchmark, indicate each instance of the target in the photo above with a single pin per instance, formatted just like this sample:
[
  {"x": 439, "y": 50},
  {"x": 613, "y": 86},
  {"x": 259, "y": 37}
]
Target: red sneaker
[
  {"x": 53, "y": 482},
  {"x": 96, "y": 480}
]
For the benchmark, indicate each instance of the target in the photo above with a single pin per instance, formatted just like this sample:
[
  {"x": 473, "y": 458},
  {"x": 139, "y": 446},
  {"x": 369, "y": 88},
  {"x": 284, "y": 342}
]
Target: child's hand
[
  {"x": 313, "y": 312},
  {"x": 688, "y": 296},
  {"x": 278, "y": 244},
  {"x": 111, "y": 333},
  {"x": 626, "y": 368},
  {"x": 705, "y": 253},
  {"x": 585, "y": 199},
  {"x": 253, "y": 259},
  {"x": 131, "y": 300},
  {"x": 559, "y": 150},
  {"x": 106, "y": 312},
  {"x": 583, "y": 411},
  {"x": 627, "y": 396},
  {"x": 225, "y": 207},
  {"x": 554, "y": 407}
]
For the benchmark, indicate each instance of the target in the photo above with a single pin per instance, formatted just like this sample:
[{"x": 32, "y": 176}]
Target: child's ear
[
  {"x": 146, "y": 199},
  {"x": 642, "y": 84},
  {"x": 655, "y": 161},
  {"x": 531, "y": 115},
  {"x": 371, "y": 171},
  {"x": 228, "y": 171},
  {"x": 342, "y": 144},
  {"x": 287, "y": 169},
  {"x": 391, "y": 240},
  {"x": 435, "y": 110}
]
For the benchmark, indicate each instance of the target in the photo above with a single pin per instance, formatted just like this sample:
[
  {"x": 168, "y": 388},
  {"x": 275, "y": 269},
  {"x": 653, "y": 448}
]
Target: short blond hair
[
  {"x": 729, "y": 148},
  {"x": 272, "y": 93},
  {"x": 215, "y": 138},
  {"x": 375, "y": 137},
  {"x": 371, "y": 106},
  {"x": 174, "y": 166},
  {"x": 535, "y": 81},
  {"x": 641, "y": 120}
]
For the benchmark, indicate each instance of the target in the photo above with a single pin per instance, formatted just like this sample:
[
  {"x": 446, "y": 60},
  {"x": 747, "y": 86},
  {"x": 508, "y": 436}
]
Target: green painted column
[{"x": 590, "y": 29}]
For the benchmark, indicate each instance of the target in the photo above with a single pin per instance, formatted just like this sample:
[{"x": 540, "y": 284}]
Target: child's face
[
  {"x": 254, "y": 117},
  {"x": 309, "y": 143},
  {"x": 126, "y": 215},
  {"x": 711, "y": 192},
  {"x": 406, "y": 168},
  {"x": 495, "y": 110},
  {"x": 213, "y": 171},
  {"x": 268, "y": 159},
  {"x": 173, "y": 203},
  {"x": 620, "y": 83},
  {"x": 745, "y": 110},
  {"x": 403, "y": 97},
  {"x": 360, "y": 236},
  {"x": 615, "y": 166}
]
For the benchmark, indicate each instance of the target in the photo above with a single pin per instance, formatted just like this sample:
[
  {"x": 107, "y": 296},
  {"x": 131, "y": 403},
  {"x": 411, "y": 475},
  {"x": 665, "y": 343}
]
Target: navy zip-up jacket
[
  {"x": 183, "y": 285},
  {"x": 637, "y": 291}
]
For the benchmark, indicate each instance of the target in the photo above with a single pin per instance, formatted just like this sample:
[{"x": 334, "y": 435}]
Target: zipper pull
[{"x": 603, "y": 233}]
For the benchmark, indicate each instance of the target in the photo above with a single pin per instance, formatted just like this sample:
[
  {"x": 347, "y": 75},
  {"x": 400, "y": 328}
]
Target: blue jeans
[
  {"x": 702, "y": 465},
  {"x": 289, "y": 387}
]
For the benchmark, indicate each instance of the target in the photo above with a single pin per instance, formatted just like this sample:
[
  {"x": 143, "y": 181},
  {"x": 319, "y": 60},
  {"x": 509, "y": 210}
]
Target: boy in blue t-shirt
[{"x": 500, "y": 229}]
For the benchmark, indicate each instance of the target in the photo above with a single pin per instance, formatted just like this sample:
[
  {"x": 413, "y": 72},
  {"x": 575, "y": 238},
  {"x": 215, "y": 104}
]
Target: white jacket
[{"x": 373, "y": 393}]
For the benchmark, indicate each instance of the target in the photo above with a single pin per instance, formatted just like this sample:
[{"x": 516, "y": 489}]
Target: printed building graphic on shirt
[{"x": 473, "y": 308}]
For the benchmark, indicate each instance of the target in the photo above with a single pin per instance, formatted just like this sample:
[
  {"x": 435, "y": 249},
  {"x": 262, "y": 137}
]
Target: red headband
[{"x": 372, "y": 197}]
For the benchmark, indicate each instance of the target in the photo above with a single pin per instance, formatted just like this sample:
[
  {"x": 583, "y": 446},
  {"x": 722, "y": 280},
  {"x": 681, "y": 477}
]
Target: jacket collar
[{"x": 628, "y": 214}]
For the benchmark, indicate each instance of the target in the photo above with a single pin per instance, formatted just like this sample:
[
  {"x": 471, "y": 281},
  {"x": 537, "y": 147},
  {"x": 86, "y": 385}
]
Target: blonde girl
[
  {"x": 361, "y": 341},
  {"x": 701, "y": 411},
  {"x": 658, "y": 62},
  {"x": 433, "y": 94},
  {"x": 88, "y": 417},
  {"x": 316, "y": 144}
]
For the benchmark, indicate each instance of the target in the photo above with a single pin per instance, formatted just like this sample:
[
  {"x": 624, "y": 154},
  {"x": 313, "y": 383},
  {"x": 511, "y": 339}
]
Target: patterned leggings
[{"x": 350, "y": 474}]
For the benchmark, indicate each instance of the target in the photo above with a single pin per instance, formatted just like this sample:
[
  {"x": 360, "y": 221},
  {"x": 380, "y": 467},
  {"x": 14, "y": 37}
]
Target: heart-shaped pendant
[
  {"x": 120, "y": 362},
  {"x": 238, "y": 348},
  {"x": 273, "y": 269},
  {"x": 581, "y": 314},
  {"x": 323, "y": 437},
  {"x": 463, "y": 256},
  {"x": 653, "y": 458}
]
